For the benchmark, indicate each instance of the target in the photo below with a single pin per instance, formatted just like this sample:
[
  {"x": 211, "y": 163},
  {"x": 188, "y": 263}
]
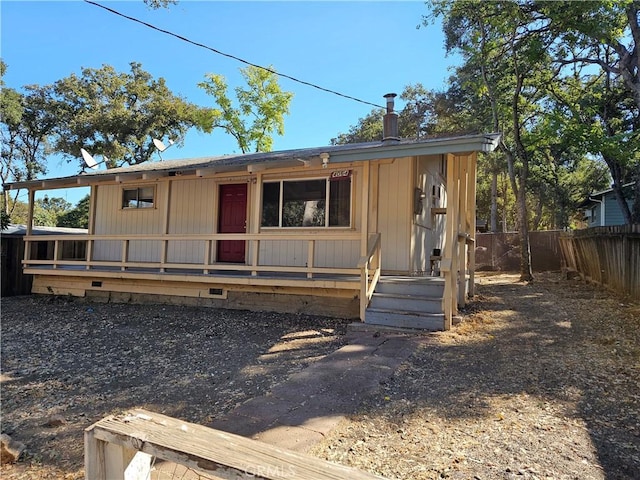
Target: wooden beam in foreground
[{"x": 123, "y": 446}]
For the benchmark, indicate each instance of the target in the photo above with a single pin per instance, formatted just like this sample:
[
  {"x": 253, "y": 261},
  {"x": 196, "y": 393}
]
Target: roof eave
[{"x": 455, "y": 145}]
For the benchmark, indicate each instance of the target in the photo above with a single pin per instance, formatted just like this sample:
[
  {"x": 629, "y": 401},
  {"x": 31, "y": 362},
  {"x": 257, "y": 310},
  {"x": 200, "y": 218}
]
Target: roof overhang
[{"x": 255, "y": 162}]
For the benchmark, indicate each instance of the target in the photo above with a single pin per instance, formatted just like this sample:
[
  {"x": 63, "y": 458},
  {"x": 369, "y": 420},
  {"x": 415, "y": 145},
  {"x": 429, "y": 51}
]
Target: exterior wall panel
[
  {"x": 191, "y": 210},
  {"x": 112, "y": 219},
  {"x": 394, "y": 214}
]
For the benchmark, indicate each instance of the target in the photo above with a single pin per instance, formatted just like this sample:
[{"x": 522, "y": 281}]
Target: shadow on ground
[
  {"x": 541, "y": 380},
  {"x": 67, "y": 363}
]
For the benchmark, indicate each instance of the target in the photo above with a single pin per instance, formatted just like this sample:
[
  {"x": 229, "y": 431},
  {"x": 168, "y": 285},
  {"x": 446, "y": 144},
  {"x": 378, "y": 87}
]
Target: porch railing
[
  {"x": 57, "y": 248},
  {"x": 370, "y": 271}
]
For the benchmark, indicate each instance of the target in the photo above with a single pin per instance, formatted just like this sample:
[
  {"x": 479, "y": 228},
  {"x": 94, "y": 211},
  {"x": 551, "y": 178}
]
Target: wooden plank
[
  {"x": 311, "y": 252},
  {"x": 449, "y": 260},
  {"x": 32, "y": 201},
  {"x": 212, "y": 451},
  {"x": 364, "y": 212},
  {"x": 471, "y": 218},
  {"x": 462, "y": 229},
  {"x": 282, "y": 284}
]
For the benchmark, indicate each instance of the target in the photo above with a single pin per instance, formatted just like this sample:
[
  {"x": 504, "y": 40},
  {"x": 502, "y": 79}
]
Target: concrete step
[
  {"x": 404, "y": 302},
  {"x": 428, "y": 286},
  {"x": 403, "y": 319}
]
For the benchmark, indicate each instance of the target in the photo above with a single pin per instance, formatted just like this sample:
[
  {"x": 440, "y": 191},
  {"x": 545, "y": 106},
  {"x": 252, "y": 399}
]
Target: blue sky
[{"x": 364, "y": 49}]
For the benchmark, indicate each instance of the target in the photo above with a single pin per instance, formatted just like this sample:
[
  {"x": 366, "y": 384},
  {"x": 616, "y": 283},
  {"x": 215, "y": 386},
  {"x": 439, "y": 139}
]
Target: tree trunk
[
  {"x": 526, "y": 272},
  {"x": 538, "y": 217},
  {"x": 494, "y": 201}
]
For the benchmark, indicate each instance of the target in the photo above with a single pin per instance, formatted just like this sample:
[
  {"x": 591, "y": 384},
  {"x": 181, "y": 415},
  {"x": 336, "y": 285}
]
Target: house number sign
[{"x": 340, "y": 174}]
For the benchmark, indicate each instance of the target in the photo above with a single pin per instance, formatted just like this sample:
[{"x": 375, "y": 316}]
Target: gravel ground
[
  {"x": 67, "y": 363},
  {"x": 540, "y": 381}
]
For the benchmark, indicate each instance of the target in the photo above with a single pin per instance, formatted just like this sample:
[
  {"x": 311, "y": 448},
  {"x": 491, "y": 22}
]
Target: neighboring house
[
  {"x": 309, "y": 230},
  {"x": 601, "y": 209},
  {"x": 14, "y": 280}
]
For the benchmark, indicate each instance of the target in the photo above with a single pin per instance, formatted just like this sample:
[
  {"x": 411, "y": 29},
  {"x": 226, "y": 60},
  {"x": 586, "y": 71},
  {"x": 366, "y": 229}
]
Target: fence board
[
  {"x": 501, "y": 251},
  {"x": 609, "y": 256}
]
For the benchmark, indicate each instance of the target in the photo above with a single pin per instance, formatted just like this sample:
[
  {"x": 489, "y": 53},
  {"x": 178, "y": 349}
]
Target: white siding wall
[
  {"x": 395, "y": 211},
  {"x": 428, "y": 228}
]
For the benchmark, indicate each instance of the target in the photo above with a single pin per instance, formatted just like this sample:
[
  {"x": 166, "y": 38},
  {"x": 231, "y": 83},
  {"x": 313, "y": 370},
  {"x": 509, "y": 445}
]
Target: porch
[{"x": 68, "y": 265}]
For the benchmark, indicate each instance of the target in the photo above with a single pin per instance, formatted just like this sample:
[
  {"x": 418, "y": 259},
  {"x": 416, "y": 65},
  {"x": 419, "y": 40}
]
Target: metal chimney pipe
[{"x": 390, "y": 122}]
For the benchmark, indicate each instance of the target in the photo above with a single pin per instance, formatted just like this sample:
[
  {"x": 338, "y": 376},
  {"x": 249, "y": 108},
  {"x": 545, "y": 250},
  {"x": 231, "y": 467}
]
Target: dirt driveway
[{"x": 540, "y": 381}]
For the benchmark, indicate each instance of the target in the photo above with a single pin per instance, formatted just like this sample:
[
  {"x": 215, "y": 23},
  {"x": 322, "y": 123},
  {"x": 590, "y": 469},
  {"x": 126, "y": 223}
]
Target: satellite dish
[
  {"x": 90, "y": 162},
  {"x": 159, "y": 145},
  {"x": 88, "y": 159}
]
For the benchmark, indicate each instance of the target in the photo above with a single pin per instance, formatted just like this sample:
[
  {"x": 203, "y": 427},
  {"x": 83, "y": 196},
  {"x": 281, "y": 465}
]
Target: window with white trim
[
  {"x": 142, "y": 197},
  {"x": 314, "y": 203}
]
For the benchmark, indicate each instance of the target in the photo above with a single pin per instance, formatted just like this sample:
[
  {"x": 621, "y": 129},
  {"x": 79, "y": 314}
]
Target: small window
[
  {"x": 307, "y": 203},
  {"x": 138, "y": 197}
]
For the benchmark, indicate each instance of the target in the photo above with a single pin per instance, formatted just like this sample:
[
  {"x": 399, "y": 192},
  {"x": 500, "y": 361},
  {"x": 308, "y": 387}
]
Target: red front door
[{"x": 233, "y": 219}]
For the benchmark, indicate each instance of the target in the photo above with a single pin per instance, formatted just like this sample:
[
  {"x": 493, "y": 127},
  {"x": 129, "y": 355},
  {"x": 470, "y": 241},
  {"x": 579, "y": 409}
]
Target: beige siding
[
  {"x": 337, "y": 254},
  {"x": 112, "y": 219},
  {"x": 327, "y": 253},
  {"x": 192, "y": 209},
  {"x": 289, "y": 253},
  {"x": 394, "y": 214}
]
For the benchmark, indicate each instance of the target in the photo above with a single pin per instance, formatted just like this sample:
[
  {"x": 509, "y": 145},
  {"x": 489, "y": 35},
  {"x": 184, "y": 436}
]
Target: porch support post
[
  {"x": 254, "y": 224},
  {"x": 364, "y": 216},
  {"x": 32, "y": 201},
  {"x": 165, "y": 228},
  {"x": 449, "y": 263},
  {"x": 471, "y": 218},
  {"x": 373, "y": 201},
  {"x": 364, "y": 236},
  {"x": 462, "y": 231},
  {"x": 27, "y": 244},
  {"x": 93, "y": 201}
]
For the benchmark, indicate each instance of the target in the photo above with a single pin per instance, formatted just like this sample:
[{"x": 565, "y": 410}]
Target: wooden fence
[
  {"x": 609, "y": 256},
  {"x": 501, "y": 251}
]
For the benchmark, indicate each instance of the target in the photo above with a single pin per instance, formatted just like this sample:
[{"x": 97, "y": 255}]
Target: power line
[{"x": 184, "y": 39}]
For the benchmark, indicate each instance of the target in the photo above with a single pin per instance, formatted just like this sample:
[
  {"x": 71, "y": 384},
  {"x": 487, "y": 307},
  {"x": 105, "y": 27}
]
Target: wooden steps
[{"x": 407, "y": 302}]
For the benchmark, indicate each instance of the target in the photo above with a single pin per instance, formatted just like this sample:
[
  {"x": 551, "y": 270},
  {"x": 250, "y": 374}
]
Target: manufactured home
[{"x": 380, "y": 231}]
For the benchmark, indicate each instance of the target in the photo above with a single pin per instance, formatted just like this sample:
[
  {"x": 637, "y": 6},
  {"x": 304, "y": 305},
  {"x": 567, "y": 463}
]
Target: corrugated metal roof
[{"x": 21, "y": 230}]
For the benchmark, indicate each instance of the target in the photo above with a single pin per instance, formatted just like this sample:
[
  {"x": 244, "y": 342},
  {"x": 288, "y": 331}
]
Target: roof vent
[{"x": 390, "y": 122}]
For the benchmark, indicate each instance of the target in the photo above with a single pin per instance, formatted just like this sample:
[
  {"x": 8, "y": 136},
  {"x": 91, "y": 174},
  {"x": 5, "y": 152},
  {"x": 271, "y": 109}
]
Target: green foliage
[
  {"x": 368, "y": 129},
  {"x": 5, "y": 220},
  {"x": 425, "y": 113},
  {"x": 24, "y": 130},
  {"x": 77, "y": 217},
  {"x": 155, "y": 4},
  {"x": 47, "y": 211},
  {"x": 116, "y": 115},
  {"x": 558, "y": 80},
  {"x": 259, "y": 113}
]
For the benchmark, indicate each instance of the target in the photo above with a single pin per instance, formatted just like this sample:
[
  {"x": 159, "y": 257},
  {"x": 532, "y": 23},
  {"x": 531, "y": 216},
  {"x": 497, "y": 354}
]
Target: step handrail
[{"x": 370, "y": 271}]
